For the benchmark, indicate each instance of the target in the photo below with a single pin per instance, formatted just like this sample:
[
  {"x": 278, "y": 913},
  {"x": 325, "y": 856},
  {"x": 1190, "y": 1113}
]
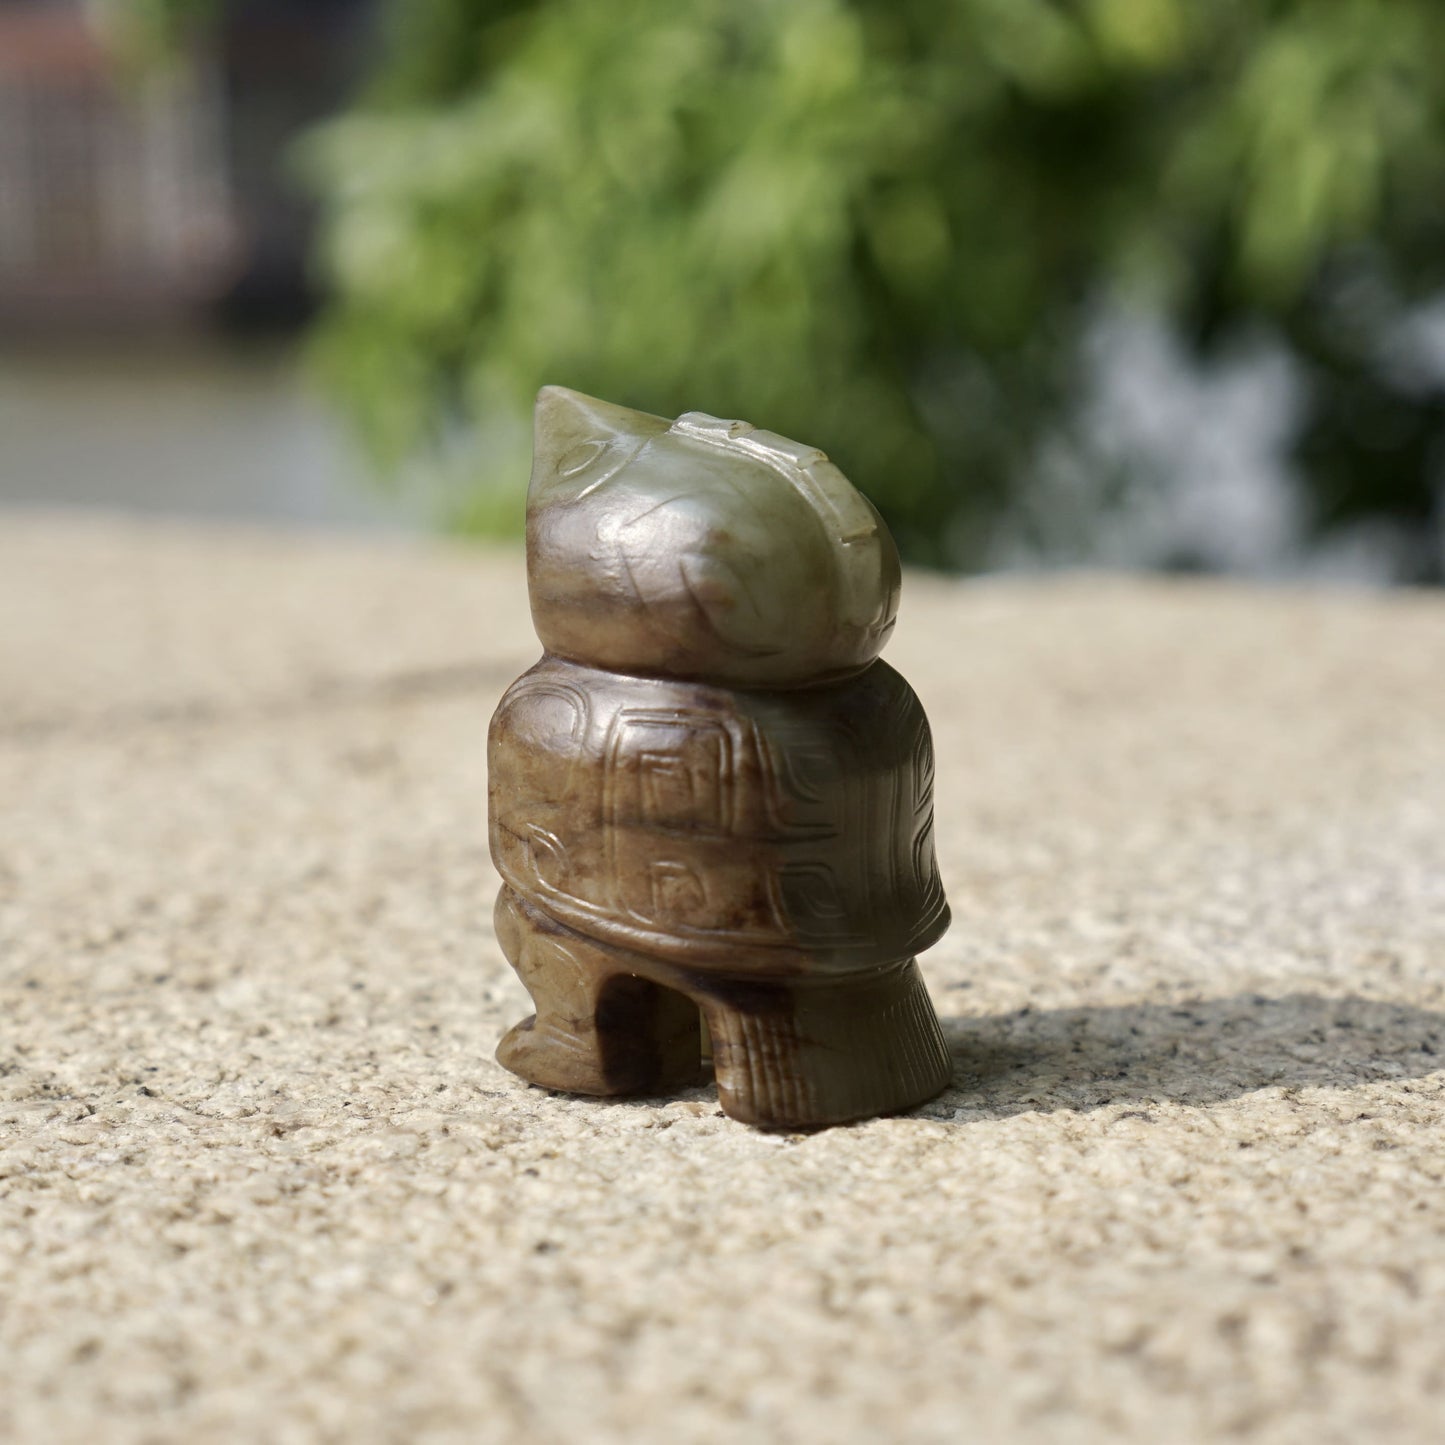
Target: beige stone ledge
[{"x": 260, "y": 1179}]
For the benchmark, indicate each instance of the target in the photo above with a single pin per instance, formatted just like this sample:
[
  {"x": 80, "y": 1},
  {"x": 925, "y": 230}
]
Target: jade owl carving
[{"x": 711, "y": 804}]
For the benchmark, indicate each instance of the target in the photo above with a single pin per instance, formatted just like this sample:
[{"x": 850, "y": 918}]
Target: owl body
[
  {"x": 791, "y": 831},
  {"x": 709, "y": 797}
]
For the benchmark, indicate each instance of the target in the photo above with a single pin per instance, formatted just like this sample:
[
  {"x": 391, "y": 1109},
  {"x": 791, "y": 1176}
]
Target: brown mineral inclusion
[{"x": 709, "y": 800}]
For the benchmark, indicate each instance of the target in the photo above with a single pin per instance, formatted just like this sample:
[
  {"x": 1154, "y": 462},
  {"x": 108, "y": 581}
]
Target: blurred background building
[
  {"x": 144, "y": 189},
  {"x": 1117, "y": 282},
  {"x": 115, "y": 199},
  {"x": 154, "y": 270}
]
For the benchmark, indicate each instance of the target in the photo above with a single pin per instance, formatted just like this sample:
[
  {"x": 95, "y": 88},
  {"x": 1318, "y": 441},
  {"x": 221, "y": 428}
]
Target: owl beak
[
  {"x": 561, "y": 411},
  {"x": 563, "y": 419}
]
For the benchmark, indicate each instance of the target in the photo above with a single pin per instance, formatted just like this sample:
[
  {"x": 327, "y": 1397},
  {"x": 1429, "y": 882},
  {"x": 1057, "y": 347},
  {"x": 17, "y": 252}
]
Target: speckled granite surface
[{"x": 261, "y": 1181}]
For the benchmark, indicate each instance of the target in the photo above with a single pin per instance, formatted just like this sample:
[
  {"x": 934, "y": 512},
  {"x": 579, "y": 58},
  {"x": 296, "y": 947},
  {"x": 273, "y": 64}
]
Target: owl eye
[{"x": 581, "y": 457}]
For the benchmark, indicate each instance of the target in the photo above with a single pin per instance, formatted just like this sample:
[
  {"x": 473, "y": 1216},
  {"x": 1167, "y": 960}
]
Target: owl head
[{"x": 700, "y": 549}]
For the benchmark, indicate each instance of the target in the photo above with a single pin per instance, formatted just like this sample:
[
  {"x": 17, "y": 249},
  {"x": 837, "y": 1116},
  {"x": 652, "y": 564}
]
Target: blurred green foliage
[{"x": 881, "y": 226}]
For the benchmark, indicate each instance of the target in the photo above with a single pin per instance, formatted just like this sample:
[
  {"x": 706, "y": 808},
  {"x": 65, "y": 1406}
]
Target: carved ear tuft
[{"x": 565, "y": 424}]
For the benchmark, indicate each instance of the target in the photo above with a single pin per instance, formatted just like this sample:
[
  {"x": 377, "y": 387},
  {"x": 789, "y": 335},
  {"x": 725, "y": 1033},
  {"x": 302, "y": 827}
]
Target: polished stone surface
[{"x": 711, "y": 804}]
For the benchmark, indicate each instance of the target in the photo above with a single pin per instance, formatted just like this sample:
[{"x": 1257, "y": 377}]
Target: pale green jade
[
  {"x": 711, "y": 804},
  {"x": 701, "y": 548}
]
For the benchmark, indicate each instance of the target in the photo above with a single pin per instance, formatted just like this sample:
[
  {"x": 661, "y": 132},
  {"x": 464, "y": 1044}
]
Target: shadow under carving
[{"x": 1191, "y": 1053}]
